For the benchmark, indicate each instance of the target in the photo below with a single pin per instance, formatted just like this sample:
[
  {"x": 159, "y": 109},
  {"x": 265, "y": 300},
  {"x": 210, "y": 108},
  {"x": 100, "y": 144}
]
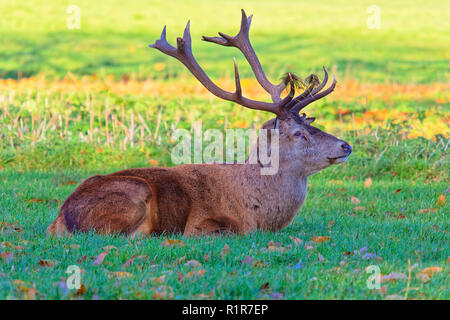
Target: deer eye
[{"x": 300, "y": 134}]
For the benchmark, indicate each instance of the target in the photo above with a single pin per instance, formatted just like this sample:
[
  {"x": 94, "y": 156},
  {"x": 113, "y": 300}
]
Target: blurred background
[{"x": 79, "y": 85}]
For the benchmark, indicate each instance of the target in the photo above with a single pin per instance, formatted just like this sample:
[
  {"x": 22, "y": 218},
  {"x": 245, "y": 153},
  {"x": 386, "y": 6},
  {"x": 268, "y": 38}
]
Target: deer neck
[{"x": 272, "y": 200}]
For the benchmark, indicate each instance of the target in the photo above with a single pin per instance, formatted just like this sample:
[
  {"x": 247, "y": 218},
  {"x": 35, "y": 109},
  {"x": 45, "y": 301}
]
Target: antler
[
  {"x": 311, "y": 94},
  {"x": 242, "y": 42},
  {"x": 279, "y": 106}
]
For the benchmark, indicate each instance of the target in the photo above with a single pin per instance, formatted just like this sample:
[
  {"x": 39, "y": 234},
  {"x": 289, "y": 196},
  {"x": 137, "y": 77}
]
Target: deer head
[{"x": 311, "y": 148}]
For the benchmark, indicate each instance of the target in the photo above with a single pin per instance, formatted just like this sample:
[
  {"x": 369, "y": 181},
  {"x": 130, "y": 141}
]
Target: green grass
[
  {"x": 42, "y": 157},
  {"x": 422, "y": 238},
  {"x": 410, "y": 46}
]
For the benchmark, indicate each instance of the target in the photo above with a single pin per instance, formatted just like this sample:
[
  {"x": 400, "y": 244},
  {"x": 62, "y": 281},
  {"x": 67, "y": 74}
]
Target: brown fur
[{"x": 203, "y": 198}]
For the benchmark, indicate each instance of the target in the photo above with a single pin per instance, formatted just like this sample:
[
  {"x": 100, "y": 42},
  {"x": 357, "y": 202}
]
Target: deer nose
[{"x": 347, "y": 148}]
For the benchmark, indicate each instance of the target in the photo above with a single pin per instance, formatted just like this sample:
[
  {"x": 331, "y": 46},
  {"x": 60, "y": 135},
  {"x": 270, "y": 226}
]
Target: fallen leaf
[
  {"x": 441, "y": 200},
  {"x": 397, "y": 191},
  {"x": 28, "y": 293},
  {"x": 100, "y": 258},
  {"x": 426, "y": 274},
  {"x": 331, "y": 223},
  {"x": 320, "y": 239},
  {"x": 173, "y": 243},
  {"x": 109, "y": 248},
  {"x": 46, "y": 263},
  {"x": 81, "y": 291},
  {"x": 196, "y": 273},
  {"x": 159, "y": 280},
  {"x": 393, "y": 276},
  {"x": 121, "y": 274},
  {"x": 193, "y": 263},
  {"x": 36, "y": 200},
  {"x": 6, "y": 256},
  {"x": 428, "y": 210},
  {"x": 360, "y": 208},
  {"x": 69, "y": 182},
  {"x": 354, "y": 200},
  {"x": 368, "y": 182},
  {"x": 248, "y": 260},
  {"x": 297, "y": 241},
  {"x": 205, "y": 296},
  {"x": 383, "y": 289},
  {"x": 163, "y": 292}
]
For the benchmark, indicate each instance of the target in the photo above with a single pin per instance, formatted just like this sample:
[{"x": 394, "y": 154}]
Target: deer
[{"x": 210, "y": 199}]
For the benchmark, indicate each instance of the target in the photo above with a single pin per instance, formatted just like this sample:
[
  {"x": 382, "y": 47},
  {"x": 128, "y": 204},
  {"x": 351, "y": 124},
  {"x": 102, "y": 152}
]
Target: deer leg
[
  {"x": 211, "y": 226},
  {"x": 107, "y": 204}
]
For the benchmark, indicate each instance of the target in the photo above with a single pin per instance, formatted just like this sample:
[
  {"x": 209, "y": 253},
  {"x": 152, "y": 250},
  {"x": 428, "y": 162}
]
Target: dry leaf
[
  {"x": 6, "y": 256},
  {"x": 426, "y": 274},
  {"x": 368, "y": 182},
  {"x": 81, "y": 291},
  {"x": 441, "y": 200},
  {"x": 69, "y": 182},
  {"x": 248, "y": 260},
  {"x": 428, "y": 210},
  {"x": 46, "y": 263},
  {"x": 163, "y": 292},
  {"x": 193, "y": 263},
  {"x": 354, "y": 200},
  {"x": 320, "y": 239},
  {"x": 393, "y": 276},
  {"x": 360, "y": 208},
  {"x": 331, "y": 223},
  {"x": 297, "y": 241},
  {"x": 172, "y": 243},
  {"x": 36, "y": 200},
  {"x": 121, "y": 274},
  {"x": 159, "y": 280},
  {"x": 196, "y": 273},
  {"x": 99, "y": 259},
  {"x": 109, "y": 248}
]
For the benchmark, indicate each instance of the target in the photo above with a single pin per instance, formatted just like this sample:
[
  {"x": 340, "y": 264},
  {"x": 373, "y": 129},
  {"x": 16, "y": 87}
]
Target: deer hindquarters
[{"x": 107, "y": 204}]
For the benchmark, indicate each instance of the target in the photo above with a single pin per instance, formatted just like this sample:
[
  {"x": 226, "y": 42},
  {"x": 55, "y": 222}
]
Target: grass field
[{"x": 74, "y": 103}]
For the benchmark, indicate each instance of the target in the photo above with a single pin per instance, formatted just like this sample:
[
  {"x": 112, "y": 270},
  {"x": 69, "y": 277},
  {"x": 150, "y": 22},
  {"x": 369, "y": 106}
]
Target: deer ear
[{"x": 309, "y": 120}]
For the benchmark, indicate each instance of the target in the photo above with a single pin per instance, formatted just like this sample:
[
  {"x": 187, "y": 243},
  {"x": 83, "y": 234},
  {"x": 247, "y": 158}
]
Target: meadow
[{"x": 74, "y": 103}]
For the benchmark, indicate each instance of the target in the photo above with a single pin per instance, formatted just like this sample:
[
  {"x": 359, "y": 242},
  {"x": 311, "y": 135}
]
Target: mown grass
[
  {"x": 296, "y": 36},
  {"x": 99, "y": 100},
  {"x": 420, "y": 238}
]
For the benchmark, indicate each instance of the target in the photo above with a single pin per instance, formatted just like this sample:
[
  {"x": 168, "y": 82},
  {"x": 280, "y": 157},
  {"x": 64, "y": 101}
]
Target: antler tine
[
  {"x": 242, "y": 42},
  {"x": 310, "y": 90},
  {"x": 313, "y": 97},
  {"x": 183, "y": 53}
]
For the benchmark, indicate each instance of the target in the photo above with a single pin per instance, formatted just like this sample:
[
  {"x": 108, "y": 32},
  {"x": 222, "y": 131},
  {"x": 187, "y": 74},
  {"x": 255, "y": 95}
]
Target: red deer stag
[{"x": 208, "y": 198}]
